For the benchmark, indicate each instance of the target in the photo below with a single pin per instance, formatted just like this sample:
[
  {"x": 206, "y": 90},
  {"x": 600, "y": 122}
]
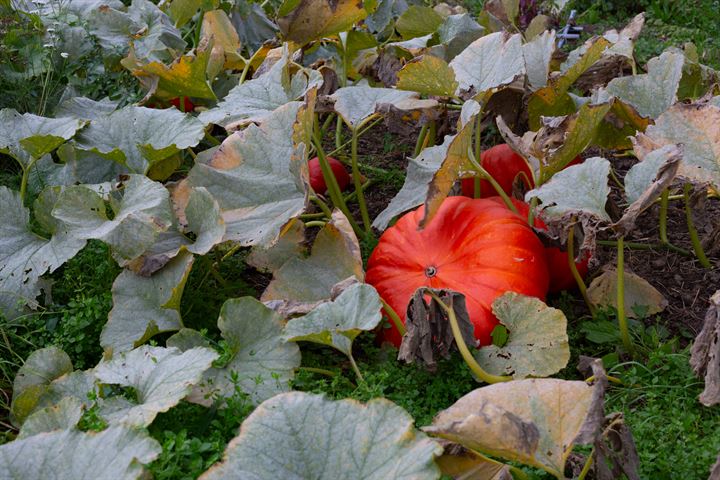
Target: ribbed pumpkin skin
[
  {"x": 477, "y": 247},
  {"x": 561, "y": 277}
]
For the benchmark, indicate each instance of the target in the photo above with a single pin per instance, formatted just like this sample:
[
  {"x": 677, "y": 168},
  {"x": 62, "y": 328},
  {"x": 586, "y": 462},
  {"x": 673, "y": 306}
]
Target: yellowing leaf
[
  {"x": 428, "y": 75},
  {"x": 538, "y": 342},
  {"x": 313, "y": 19},
  {"x": 534, "y": 422},
  {"x": 418, "y": 21},
  {"x": 226, "y": 41},
  {"x": 638, "y": 293}
]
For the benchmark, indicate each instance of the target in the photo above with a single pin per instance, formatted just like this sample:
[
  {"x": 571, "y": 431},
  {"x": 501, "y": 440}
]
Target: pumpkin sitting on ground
[{"x": 476, "y": 247}]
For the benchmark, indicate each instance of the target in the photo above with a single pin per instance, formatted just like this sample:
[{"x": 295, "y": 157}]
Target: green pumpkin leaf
[
  {"x": 138, "y": 137},
  {"x": 418, "y": 21},
  {"x": 140, "y": 215},
  {"x": 455, "y": 34},
  {"x": 83, "y": 108},
  {"x": 160, "y": 378},
  {"x": 697, "y": 128},
  {"x": 654, "y": 92},
  {"x": 490, "y": 62},
  {"x": 357, "y": 104},
  {"x": 145, "y": 306},
  {"x": 261, "y": 362},
  {"x": 325, "y": 439},
  {"x": 63, "y": 416},
  {"x": 116, "y": 453},
  {"x": 581, "y": 189},
  {"x": 254, "y": 100},
  {"x": 25, "y": 256},
  {"x": 28, "y": 136},
  {"x": 259, "y": 175},
  {"x": 537, "y": 345},
  {"x": 338, "y": 322},
  {"x": 335, "y": 256}
]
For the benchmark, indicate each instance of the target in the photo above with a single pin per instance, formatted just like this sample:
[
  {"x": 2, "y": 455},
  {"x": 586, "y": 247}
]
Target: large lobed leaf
[
  {"x": 160, "y": 378},
  {"x": 139, "y": 137},
  {"x": 259, "y": 175},
  {"x": 326, "y": 440},
  {"x": 113, "y": 454},
  {"x": 262, "y": 363},
  {"x": 25, "y": 256}
]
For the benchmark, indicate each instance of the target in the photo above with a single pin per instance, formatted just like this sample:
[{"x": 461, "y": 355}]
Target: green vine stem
[
  {"x": 315, "y": 223},
  {"x": 326, "y": 125},
  {"x": 362, "y": 132},
  {"x": 355, "y": 368},
  {"x": 531, "y": 211},
  {"x": 464, "y": 350},
  {"x": 694, "y": 238},
  {"x": 338, "y": 134},
  {"x": 357, "y": 181},
  {"x": 432, "y": 132},
  {"x": 420, "y": 143},
  {"x": 331, "y": 182},
  {"x": 477, "y": 185},
  {"x": 573, "y": 268},
  {"x": 662, "y": 222},
  {"x": 646, "y": 246},
  {"x": 587, "y": 466},
  {"x": 486, "y": 176},
  {"x": 312, "y": 216},
  {"x": 26, "y": 177},
  {"x": 321, "y": 205},
  {"x": 394, "y": 317},
  {"x": 321, "y": 371},
  {"x": 353, "y": 194},
  {"x": 622, "y": 319}
]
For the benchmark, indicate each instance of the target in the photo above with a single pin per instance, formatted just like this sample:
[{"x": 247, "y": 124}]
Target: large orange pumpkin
[{"x": 476, "y": 247}]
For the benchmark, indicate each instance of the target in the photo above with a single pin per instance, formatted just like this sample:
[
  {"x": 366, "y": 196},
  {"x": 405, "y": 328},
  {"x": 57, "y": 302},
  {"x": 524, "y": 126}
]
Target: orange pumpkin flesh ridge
[{"x": 476, "y": 247}]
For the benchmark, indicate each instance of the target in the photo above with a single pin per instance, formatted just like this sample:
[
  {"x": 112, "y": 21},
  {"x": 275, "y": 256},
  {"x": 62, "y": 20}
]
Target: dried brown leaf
[
  {"x": 705, "y": 353},
  {"x": 615, "y": 451}
]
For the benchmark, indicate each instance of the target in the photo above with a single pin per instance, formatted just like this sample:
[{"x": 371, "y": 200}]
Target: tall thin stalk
[
  {"x": 357, "y": 181},
  {"x": 573, "y": 268},
  {"x": 694, "y": 237}
]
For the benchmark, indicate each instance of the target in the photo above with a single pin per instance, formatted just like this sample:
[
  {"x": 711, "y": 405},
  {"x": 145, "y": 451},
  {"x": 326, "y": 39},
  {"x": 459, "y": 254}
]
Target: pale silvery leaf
[
  {"x": 138, "y": 137},
  {"x": 489, "y": 62},
  {"x": 160, "y": 377},
  {"x": 263, "y": 362},
  {"x": 537, "y": 54},
  {"x": 145, "y": 306},
  {"x": 335, "y": 256},
  {"x": 63, "y": 416},
  {"x": 577, "y": 189},
  {"x": 420, "y": 172},
  {"x": 113, "y": 454},
  {"x": 151, "y": 32},
  {"x": 643, "y": 173},
  {"x": 83, "y": 108},
  {"x": 25, "y": 256},
  {"x": 654, "y": 92},
  {"x": 143, "y": 212},
  {"x": 338, "y": 322},
  {"x": 356, "y": 104},
  {"x": 258, "y": 175},
  {"x": 537, "y": 345},
  {"x": 254, "y": 100},
  {"x": 29, "y": 136},
  {"x": 697, "y": 128},
  {"x": 327, "y": 440}
]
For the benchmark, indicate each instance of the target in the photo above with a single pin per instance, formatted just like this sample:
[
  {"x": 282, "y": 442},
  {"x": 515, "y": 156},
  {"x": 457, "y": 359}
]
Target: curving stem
[
  {"x": 622, "y": 319},
  {"x": 694, "y": 238},
  {"x": 357, "y": 181},
  {"x": 573, "y": 268},
  {"x": 464, "y": 350}
]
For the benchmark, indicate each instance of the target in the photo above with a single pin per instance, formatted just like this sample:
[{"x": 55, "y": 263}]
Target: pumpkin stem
[
  {"x": 393, "y": 317},
  {"x": 573, "y": 268},
  {"x": 358, "y": 181},
  {"x": 464, "y": 350},
  {"x": 486, "y": 176},
  {"x": 355, "y": 368}
]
